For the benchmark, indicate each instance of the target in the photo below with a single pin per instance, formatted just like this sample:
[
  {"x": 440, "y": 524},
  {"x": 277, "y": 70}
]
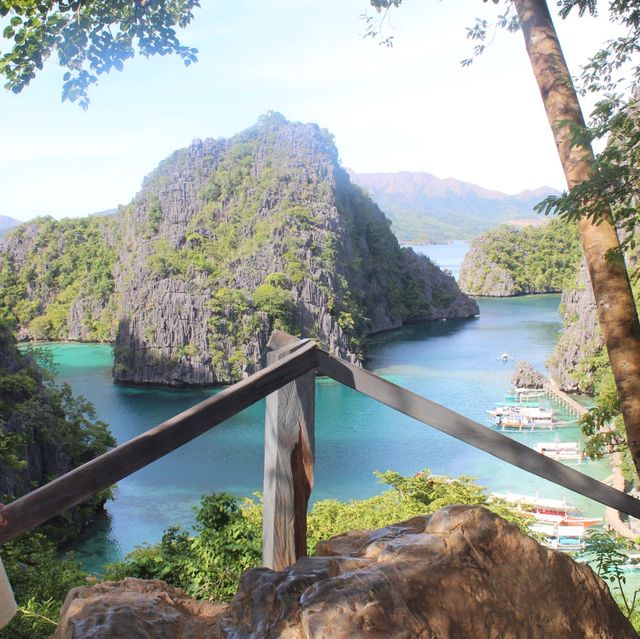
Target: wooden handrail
[
  {"x": 473, "y": 433},
  {"x": 81, "y": 483}
]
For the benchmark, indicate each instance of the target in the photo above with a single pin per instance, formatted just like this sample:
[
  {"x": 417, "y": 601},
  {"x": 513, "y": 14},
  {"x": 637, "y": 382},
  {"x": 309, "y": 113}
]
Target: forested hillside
[
  {"x": 44, "y": 432},
  {"x": 518, "y": 261}
]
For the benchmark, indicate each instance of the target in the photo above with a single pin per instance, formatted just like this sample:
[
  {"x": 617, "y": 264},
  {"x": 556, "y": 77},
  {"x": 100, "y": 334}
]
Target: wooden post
[{"x": 288, "y": 464}]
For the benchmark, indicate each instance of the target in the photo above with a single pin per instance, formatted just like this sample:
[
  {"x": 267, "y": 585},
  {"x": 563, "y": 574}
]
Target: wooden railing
[{"x": 288, "y": 383}]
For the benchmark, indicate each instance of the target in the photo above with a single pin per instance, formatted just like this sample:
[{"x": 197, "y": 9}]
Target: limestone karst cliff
[
  {"x": 227, "y": 240},
  {"x": 573, "y": 359}
]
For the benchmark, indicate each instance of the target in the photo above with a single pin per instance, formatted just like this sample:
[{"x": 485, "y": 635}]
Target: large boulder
[
  {"x": 133, "y": 609},
  {"x": 462, "y": 573}
]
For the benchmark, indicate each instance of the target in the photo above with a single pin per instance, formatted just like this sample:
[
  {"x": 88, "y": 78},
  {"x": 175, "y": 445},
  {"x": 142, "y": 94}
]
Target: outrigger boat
[
  {"x": 559, "y": 523},
  {"x": 549, "y": 511},
  {"x": 561, "y": 537},
  {"x": 561, "y": 451},
  {"x": 511, "y": 417},
  {"x": 525, "y": 394}
]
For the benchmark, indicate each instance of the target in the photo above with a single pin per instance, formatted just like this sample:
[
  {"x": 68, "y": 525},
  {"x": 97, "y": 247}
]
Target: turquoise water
[{"x": 454, "y": 363}]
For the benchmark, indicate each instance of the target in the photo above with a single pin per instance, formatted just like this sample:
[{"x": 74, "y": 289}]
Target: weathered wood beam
[
  {"x": 473, "y": 433},
  {"x": 78, "y": 485},
  {"x": 279, "y": 339},
  {"x": 288, "y": 463}
]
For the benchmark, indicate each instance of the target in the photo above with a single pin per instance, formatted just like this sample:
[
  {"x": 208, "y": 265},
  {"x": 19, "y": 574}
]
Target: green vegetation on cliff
[
  {"x": 57, "y": 264},
  {"x": 580, "y": 363},
  {"x": 518, "y": 261},
  {"x": 44, "y": 432}
]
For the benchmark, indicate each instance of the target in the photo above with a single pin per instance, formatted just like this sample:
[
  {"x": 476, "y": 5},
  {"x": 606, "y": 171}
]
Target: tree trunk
[{"x": 616, "y": 307}]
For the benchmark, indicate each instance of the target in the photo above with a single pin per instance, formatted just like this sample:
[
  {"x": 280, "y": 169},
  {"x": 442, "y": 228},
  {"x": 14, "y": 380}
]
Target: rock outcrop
[
  {"x": 134, "y": 609},
  {"x": 227, "y": 240},
  {"x": 570, "y": 364},
  {"x": 525, "y": 377},
  {"x": 462, "y": 573},
  {"x": 482, "y": 276}
]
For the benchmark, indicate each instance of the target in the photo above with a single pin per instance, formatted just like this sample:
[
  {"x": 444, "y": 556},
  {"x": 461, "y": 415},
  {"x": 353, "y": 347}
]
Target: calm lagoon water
[{"x": 454, "y": 363}]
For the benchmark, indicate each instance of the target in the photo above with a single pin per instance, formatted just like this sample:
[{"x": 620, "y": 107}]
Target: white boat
[
  {"x": 525, "y": 394},
  {"x": 549, "y": 511},
  {"x": 513, "y": 417},
  {"x": 504, "y": 357},
  {"x": 561, "y": 451},
  {"x": 561, "y": 536}
]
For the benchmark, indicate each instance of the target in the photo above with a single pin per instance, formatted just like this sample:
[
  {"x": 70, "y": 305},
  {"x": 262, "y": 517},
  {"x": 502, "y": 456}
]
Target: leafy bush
[
  {"x": 206, "y": 563},
  {"x": 40, "y": 579},
  {"x": 408, "y": 497},
  {"x": 227, "y": 538},
  {"x": 608, "y": 560},
  {"x": 274, "y": 298}
]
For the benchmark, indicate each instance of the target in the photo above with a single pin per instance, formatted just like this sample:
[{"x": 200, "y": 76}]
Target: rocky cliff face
[
  {"x": 571, "y": 364},
  {"x": 462, "y": 573},
  {"x": 227, "y": 240}
]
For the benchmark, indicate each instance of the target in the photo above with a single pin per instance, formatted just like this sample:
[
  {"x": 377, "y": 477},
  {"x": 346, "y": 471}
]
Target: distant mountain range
[
  {"x": 7, "y": 223},
  {"x": 424, "y": 208}
]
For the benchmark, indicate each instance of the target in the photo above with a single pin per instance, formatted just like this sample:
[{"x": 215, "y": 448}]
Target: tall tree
[{"x": 617, "y": 314}]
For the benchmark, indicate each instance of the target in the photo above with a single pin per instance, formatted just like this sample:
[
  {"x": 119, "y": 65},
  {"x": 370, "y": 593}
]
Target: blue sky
[{"x": 412, "y": 107}]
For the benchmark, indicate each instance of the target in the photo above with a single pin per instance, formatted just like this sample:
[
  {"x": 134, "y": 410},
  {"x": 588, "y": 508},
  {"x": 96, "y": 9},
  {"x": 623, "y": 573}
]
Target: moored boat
[
  {"x": 561, "y": 536},
  {"x": 550, "y": 511},
  {"x": 561, "y": 451},
  {"x": 526, "y": 394},
  {"x": 513, "y": 417}
]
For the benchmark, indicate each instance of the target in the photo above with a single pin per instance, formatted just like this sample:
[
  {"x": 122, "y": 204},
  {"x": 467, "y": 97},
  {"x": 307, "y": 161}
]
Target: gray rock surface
[
  {"x": 525, "y": 377},
  {"x": 462, "y": 573},
  {"x": 581, "y": 338}
]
